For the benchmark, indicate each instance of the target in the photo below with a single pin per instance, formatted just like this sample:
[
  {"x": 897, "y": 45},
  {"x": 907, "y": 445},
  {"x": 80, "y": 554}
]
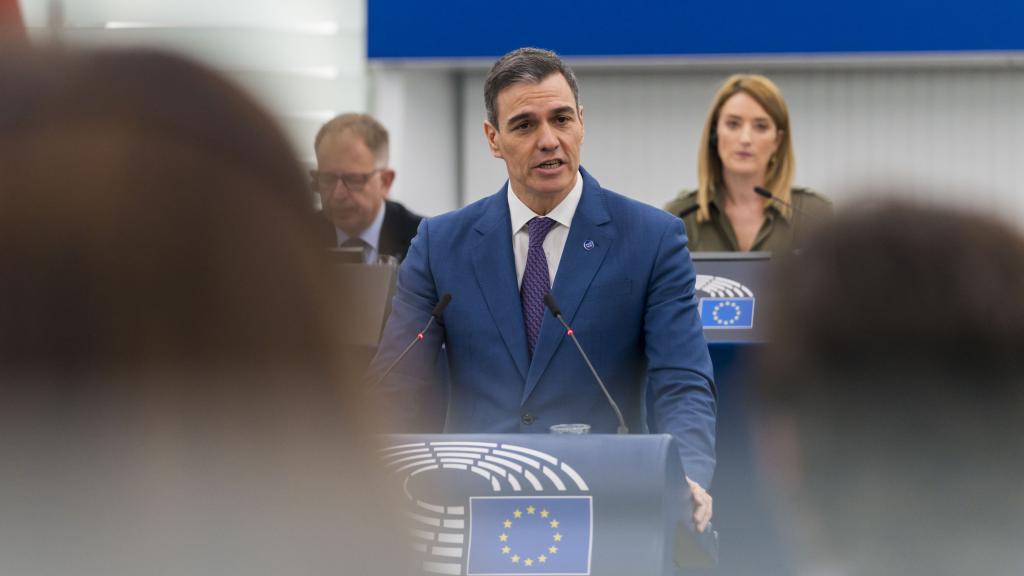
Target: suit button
[{"x": 528, "y": 419}]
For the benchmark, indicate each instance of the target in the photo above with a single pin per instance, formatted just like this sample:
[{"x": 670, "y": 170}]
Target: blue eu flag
[
  {"x": 530, "y": 535},
  {"x": 727, "y": 312}
]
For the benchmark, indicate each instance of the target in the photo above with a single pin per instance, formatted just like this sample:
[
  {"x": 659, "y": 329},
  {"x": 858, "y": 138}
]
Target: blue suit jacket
[{"x": 629, "y": 298}]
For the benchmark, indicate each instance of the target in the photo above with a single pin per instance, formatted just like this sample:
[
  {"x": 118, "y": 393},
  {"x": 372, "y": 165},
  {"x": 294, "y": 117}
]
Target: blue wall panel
[{"x": 483, "y": 28}]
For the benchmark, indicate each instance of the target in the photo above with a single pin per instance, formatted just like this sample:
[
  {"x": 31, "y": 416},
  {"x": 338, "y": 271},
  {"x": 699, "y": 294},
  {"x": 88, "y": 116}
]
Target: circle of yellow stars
[
  {"x": 722, "y": 321},
  {"x": 529, "y": 560}
]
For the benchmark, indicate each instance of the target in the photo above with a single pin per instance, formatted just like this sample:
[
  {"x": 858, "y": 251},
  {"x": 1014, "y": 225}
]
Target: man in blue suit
[{"x": 619, "y": 270}]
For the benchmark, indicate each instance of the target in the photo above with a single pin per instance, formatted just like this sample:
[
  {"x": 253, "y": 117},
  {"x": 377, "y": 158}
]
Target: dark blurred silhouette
[
  {"x": 169, "y": 399},
  {"x": 893, "y": 417}
]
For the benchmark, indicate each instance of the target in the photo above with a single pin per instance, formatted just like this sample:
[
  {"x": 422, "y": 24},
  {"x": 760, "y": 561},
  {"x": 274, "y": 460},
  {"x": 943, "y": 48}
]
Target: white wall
[
  {"x": 305, "y": 60},
  {"x": 954, "y": 130},
  {"x": 953, "y": 133},
  {"x": 421, "y": 110}
]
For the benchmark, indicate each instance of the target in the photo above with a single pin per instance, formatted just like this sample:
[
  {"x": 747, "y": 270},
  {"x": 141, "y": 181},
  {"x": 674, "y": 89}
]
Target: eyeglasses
[{"x": 327, "y": 181}]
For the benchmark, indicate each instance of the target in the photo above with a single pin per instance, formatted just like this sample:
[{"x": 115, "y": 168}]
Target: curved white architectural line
[
  {"x": 423, "y": 535},
  {"x": 455, "y": 454},
  {"x": 458, "y": 461},
  {"x": 426, "y": 468},
  {"x": 430, "y": 507},
  {"x": 422, "y": 466},
  {"x": 456, "y": 443},
  {"x": 559, "y": 485},
  {"x": 446, "y": 551},
  {"x": 536, "y": 454},
  {"x": 480, "y": 472},
  {"x": 408, "y": 451},
  {"x": 401, "y": 446},
  {"x": 518, "y": 457},
  {"x": 467, "y": 449},
  {"x": 412, "y": 459},
  {"x": 719, "y": 287},
  {"x": 533, "y": 481},
  {"x": 496, "y": 469},
  {"x": 425, "y": 520},
  {"x": 505, "y": 463},
  {"x": 442, "y": 568}
]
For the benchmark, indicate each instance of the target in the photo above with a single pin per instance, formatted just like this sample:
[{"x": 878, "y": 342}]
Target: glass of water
[{"x": 570, "y": 429}]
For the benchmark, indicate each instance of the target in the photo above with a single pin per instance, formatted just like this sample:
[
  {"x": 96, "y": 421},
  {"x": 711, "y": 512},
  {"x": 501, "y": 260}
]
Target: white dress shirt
[
  {"x": 371, "y": 236},
  {"x": 554, "y": 242}
]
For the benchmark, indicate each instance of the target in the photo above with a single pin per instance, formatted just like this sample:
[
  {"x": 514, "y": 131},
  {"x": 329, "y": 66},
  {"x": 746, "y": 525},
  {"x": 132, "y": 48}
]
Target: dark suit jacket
[
  {"x": 625, "y": 283},
  {"x": 396, "y": 232}
]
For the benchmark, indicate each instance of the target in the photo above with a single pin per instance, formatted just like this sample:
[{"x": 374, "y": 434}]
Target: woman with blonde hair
[{"x": 745, "y": 200}]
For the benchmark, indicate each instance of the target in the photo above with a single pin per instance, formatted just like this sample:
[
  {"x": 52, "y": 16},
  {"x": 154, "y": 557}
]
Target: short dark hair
[{"x": 524, "y": 65}]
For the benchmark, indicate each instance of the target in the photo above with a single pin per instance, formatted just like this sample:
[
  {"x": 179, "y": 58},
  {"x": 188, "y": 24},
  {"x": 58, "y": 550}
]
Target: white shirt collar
[
  {"x": 563, "y": 213},
  {"x": 372, "y": 233}
]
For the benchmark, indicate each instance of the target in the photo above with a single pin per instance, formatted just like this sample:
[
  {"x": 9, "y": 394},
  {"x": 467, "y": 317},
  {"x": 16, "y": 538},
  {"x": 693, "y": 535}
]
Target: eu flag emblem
[
  {"x": 530, "y": 535},
  {"x": 727, "y": 312}
]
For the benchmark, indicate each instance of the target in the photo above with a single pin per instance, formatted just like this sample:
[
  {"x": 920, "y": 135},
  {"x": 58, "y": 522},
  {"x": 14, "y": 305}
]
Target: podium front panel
[
  {"x": 492, "y": 504},
  {"x": 730, "y": 288}
]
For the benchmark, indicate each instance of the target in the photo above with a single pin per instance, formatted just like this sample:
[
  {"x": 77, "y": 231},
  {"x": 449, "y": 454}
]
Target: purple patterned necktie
[{"x": 536, "y": 280}]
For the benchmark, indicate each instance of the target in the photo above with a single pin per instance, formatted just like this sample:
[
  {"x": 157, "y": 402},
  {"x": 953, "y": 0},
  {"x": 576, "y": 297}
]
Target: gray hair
[
  {"x": 531, "y": 65},
  {"x": 372, "y": 132}
]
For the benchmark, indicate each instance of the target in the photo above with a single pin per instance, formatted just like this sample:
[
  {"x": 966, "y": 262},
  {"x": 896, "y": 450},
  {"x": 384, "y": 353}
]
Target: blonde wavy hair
[{"x": 783, "y": 164}]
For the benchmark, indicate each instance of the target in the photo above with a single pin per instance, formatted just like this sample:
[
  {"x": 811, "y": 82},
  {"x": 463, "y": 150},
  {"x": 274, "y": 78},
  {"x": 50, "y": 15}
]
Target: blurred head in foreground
[
  {"x": 169, "y": 402},
  {"x": 894, "y": 414}
]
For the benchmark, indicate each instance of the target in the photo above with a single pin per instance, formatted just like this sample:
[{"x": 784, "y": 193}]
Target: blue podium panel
[
  {"x": 526, "y": 534},
  {"x": 491, "y": 504},
  {"x": 732, "y": 288},
  {"x": 729, "y": 287}
]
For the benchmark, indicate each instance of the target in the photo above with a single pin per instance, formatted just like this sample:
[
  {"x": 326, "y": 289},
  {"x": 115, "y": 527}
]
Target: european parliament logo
[
  {"x": 489, "y": 508},
  {"x": 530, "y": 535},
  {"x": 728, "y": 304}
]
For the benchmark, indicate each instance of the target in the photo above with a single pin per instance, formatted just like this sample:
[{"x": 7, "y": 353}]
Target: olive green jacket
[{"x": 777, "y": 234}]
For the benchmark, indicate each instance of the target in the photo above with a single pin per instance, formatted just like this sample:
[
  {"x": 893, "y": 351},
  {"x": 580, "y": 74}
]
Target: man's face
[
  {"x": 341, "y": 157},
  {"x": 539, "y": 134}
]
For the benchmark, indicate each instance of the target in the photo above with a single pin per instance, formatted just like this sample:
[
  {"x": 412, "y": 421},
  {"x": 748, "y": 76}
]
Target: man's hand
[{"x": 701, "y": 505}]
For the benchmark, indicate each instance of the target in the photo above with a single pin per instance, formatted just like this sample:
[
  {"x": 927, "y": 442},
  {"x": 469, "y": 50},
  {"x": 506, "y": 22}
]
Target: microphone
[
  {"x": 688, "y": 210},
  {"x": 549, "y": 300},
  {"x": 765, "y": 193},
  {"x": 435, "y": 314}
]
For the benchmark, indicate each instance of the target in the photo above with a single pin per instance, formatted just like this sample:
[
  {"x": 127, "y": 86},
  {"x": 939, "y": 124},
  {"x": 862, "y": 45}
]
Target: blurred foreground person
[
  {"x": 894, "y": 423},
  {"x": 168, "y": 399}
]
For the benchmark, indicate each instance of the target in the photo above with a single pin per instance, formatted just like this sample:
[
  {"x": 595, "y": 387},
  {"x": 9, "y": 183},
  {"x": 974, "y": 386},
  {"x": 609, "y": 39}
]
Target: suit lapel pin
[{"x": 588, "y": 245}]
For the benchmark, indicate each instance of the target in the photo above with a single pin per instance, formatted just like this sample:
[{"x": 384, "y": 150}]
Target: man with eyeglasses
[{"x": 353, "y": 180}]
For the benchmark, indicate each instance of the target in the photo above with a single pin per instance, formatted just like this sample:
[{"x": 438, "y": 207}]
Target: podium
[
  {"x": 737, "y": 283},
  {"x": 729, "y": 285},
  {"x": 489, "y": 504},
  {"x": 365, "y": 292},
  {"x": 362, "y": 301}
]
